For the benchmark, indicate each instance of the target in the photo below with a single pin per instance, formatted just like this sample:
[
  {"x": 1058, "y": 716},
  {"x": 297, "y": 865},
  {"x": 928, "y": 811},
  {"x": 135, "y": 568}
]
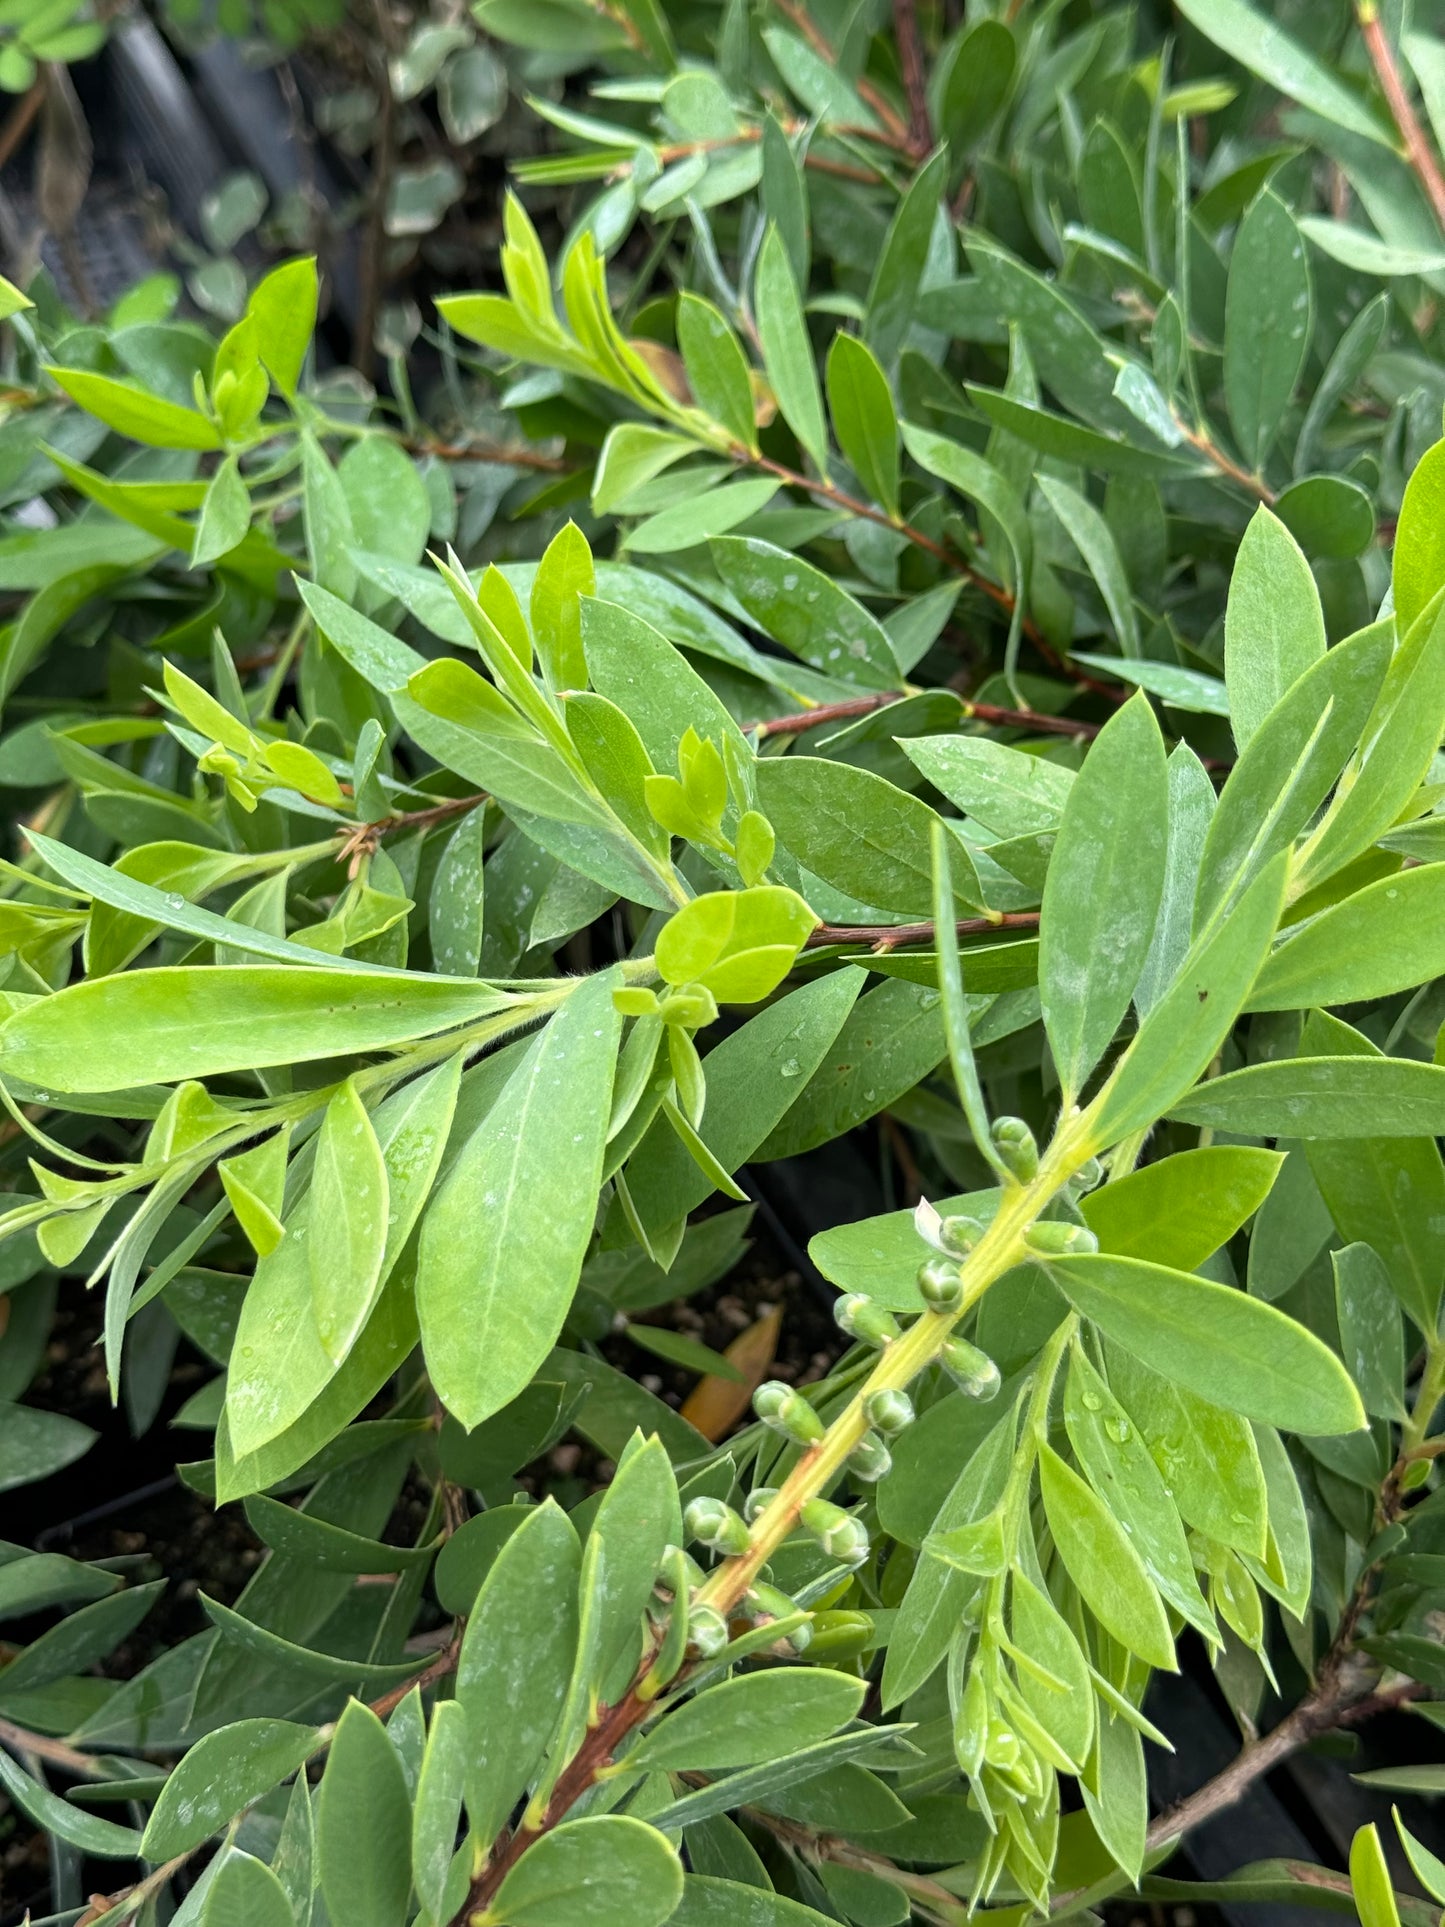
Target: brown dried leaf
[{"x": 714, "y": 1405}]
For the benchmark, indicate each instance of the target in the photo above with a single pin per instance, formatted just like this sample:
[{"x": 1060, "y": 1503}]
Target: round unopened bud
[
  {"x": 940, "y": 1285},
  {"x": 841, "y": 1635},
  {"x": 958, "y": 1235},
  {"x": 714, "y": 1524},
  {"x": 1088, "y": 1176},
  {"x": 864, "y": 1320},
  {"x": 839, "y": 1534},
  {"x": 1015, "y": 1144},
  {"x": 973, "y": 1371},
  {"x": 889, "y": 1412},
  {"x": 870, "y": 1459},
  {"x": 787, "y": 1412},
  {"x": 708, "y": 1630},
  {"x": 758, "y": 1500},
  {"x": 1052, "y": 1238}
]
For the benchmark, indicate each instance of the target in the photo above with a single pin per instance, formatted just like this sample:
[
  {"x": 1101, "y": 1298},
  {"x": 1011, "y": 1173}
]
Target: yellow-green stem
[{"x": 999, "y": 1249}]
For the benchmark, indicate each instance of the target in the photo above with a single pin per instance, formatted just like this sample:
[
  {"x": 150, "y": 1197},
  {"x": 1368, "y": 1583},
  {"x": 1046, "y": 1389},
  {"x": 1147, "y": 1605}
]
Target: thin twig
[
  {"x": 1418, "y": 151},
  {"x": 21, "y": 119},
  {"x": 883, "y": 937},
  {"x": 915, "y": 84},
  {"x": 994, "y": 713},
  {"x": 503, "y": 454},
  {"x": 20, "y": 1740}
]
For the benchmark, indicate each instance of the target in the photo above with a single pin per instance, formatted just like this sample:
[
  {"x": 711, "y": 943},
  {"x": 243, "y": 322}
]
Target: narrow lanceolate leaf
[
  {"x": 1178, "y": 1040},
  {"x": 160, "y": 1026},
  {"x": 1102, "y": 895},
  {"x": 244, "y": 1892},
  {"x": 1103, "y": 1564},
  {"x": 865, "y": 419},
  {"x": 224, "y": 1772},
  {"x": 1385, "y": 938},
  {"x": 1269, "y": 319},
  {"x": 748, "y": 1719},
  {"x": 503, "y": 1242},
  {"x": 363, "y": 1824},
  {"x": 349, "y": 1210},
  {"x": 787, "y": 351},
  {"x": 1274, "y": 627},
  {"x": 517, "y": 1654},
  {"x": 564, "y": 576},
  {"x": 955, "y": 1003},
  {"x": 439, "y": 1793},
  {"x": 717, "y": 369},
  {"x": 1322, "y": 1097},
  {"x": 1215, "y": 1340},
  {"x": 607, "y": 1870}
]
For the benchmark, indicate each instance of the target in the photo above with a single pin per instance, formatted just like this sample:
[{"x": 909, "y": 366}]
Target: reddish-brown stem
[
  {"x": 883, "y": 937},
  {"x": 915, "y": 84},
  {"x": 1418, "y": 151},
  {"x": 444, "y": 1664},
  {"x": 503, "y": 454},
  {"x": 1001, "y": 718},
  {"x": 21, "y": 119},
  {"x": 863, "y": 87}
]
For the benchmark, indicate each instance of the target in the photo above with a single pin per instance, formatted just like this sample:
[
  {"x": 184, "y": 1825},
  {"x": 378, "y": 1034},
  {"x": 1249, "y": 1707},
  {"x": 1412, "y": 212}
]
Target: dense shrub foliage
[{"x": 923, "y": 601}]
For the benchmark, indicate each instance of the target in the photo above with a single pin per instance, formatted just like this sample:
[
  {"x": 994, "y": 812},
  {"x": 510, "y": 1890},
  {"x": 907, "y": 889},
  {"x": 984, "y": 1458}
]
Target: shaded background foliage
[{"x": 1127, "y": 277}]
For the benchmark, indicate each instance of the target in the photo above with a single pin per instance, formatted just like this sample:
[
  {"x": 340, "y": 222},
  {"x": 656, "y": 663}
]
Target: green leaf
[
  {"x": 1274, "y": 628},
  {"x": 1103, "y": 889},
  {"x": 349, "y": 1204},
  {"x": 301, "y": 1535},
  {"x": 1264, "y": 48},
  {"x": 222, "y": 1773},
  {"x": 1269, "y": 319},
  {"x": 708, "y": 1901},
  {"x": 83, "y": 1830},
  {"x": 1370, "y": 1880},
  {"x": 1385, "y": 938},
  {"x": 129, "y": 410},
  {"x": 865, "y": 418},
  {"x": 225, "y": 515},
  {"x": 304, "y": 1663},
  {"x": 641, "y": 673},
  {"x": 504, "y": 1239},
  {"x": 1331, "y": 516},
  {"x": 1179, "y": 1211},
  {"x": 1322, "y": 1097},
  {"x": 1009, "y": 791},
  {"x": 148, "y": 1026},
  {"x": 1289, "y": 766},
  {"x": 1117, "y": 1463},
  {"x": 1173, "y": 684},
  {"x": 520, "y": 1642},
  {"x": 806, "y": 611},
  {"x": 33, "y": 1444},
  {"x": 363, "y": 1824},
  {"x": 739, "y": 944},
  {"x": 893, "y": 291},
  {"x": 638, "y": 1519},
  {"x": 1356, "y": 247},
  {"x": 1372, "y": 1339},
  {"x": 974, "y": 82},
  {"x": 748, "y": 1719},
  {"x": 244, "y": 1892},
  {"x": 686, "y": 524},
  {"x": 326, "y": 515},
  {"x": 858, "y": 833},
  {"x": 456, "y": 903},
  {"x": 967, "y": 471},
  {"x": 1216, "y": 1341},
  {"x": 787, "y": 351},
  {"x": 1191, "y": 809},
  {"x": 564, "y": 575},
  {"x": 1102, "y": 1562},
  {"x": 1094, "y": 540},
  {"x": 607, "y": 1870},
  {"x": 1419, "y": 558},
  {"x": 716, "y": 367},
  {"x": 439, "y": 1791},
  {"x": 283, "y": 307}
]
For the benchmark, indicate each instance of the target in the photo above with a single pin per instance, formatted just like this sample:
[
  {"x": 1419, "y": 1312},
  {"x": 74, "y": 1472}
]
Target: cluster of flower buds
[
  {"x": 787, "y": 1412},
  {"x": 859, "y": 1317},
  {"x": 840, "y": 1535},
  {"x": 1053, "y": 1238},
  {"x": 971, "y": 1370},
  {"x": 715, "y": 1525},
  {"x": 1017, "y": 1148}
]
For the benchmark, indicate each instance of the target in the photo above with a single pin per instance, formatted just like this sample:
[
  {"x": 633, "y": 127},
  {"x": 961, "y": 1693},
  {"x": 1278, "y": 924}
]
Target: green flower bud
[
  {"x": 1014, "y": 1142},
  {"x": 870, "y": 1459},
  {"x": 788, "y": 1412},
  {"x": 940, "y": 1285},
  {"x": 839, "y": 1534},
  {"x": 693, "y": 1006},
  {"x": 958, "y": 1235},
  {"x": 714, "y": 1524},
  {"x": 708, "y": 1631},
  {"x": 841, "y": 1635},
  {"x": 860, "y": 1318},
  {"x": 889, "y": 1412},
  {"x": 766, "y": 1603},
  {"x": 1055, "y": 1239},
  {"x": 758, "y": 1500},
  {"x": 970, "y": 1725},
  {"x": 1086, "y": 1178},
  {"x": 973, "y": 1371}
]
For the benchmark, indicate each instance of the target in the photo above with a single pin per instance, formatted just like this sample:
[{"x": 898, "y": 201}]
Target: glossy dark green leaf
[
  {"x": 750, "y": 1718},
  {"x": 787, "y": 351},
  {"x": 1268, "y": 324},
  {"x": 363, "y": 1824},
  {"x": 865, "y": 418},
  {"x": 224, "y": 1772},
  {"x": 607, "y": 1870}
]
